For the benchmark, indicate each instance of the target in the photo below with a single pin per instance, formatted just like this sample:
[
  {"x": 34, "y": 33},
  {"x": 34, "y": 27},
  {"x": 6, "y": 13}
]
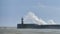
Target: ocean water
[
  {"x": 12, "y": 30},
  {"x": 40, "y": 31}
]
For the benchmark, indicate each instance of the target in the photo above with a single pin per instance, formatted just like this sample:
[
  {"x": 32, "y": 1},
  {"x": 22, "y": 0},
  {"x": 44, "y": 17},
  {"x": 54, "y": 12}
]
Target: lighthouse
[{"x": 22, "y": 21}]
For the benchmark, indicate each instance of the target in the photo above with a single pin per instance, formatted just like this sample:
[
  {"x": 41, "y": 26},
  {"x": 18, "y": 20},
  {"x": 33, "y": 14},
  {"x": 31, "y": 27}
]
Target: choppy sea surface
[{"x": 13, "y": 30}]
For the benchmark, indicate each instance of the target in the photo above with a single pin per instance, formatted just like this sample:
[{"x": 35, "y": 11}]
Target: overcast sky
[{"x": 12, "y": 10}]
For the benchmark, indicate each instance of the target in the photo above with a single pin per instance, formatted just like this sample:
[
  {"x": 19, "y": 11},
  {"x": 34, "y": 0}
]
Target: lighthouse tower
[{"x": 22, "y": 21}]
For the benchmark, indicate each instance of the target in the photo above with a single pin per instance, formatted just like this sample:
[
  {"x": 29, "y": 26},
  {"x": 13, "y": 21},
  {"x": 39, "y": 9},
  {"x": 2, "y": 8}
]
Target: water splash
[
  {"x": 51, "y": 22},
  {"x": 34, "y": 18}
]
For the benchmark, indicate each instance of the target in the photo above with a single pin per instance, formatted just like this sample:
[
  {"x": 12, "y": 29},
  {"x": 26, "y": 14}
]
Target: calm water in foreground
[{"x": 28, "y": 31}]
